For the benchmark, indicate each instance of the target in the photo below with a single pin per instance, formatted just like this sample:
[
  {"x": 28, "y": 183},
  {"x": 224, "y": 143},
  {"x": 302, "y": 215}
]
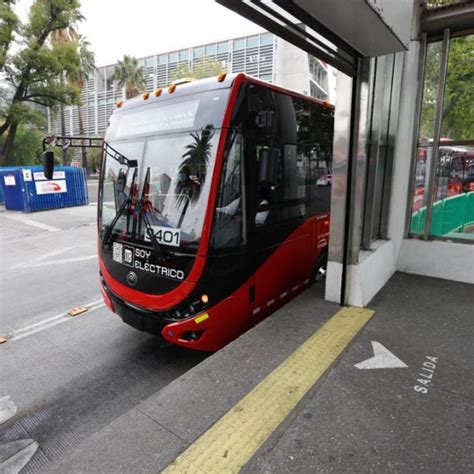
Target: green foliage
[
  {"x": 129, "y": 76},
  {"x": 200, "y": 70},
  {"x": 86, "y": 63},
  {"x": 93, "y": 158},
  {"x": 430, "y": 90},
  {"x": 9, "y": 22},
  {"x": 22, "y": 113},
  {"x": 34, "y": 72},
  {"x": 458, "y": 109},
  {"x": 27, "y": 148}
]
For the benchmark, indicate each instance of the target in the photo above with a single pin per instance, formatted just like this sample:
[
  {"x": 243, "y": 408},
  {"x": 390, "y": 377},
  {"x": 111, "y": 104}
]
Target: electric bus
[{"x": 210, "y": 215}]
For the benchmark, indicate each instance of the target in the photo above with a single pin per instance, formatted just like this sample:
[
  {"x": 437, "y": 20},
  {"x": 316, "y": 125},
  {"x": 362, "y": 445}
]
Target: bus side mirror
[
  {"x": 268, "y": 166},
  {"x": 48, "y": 164}
]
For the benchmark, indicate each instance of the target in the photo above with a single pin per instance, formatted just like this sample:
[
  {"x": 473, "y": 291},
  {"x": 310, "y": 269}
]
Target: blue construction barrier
[
  {"x": 6, "y": 168},
  {"x": 26, "y": 189}
]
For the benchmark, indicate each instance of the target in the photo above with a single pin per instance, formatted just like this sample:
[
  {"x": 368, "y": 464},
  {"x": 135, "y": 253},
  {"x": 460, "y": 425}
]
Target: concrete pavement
[
  {"x": 64, "y": 378},
  {"x": 354, "y": 420},
  {"x": 91, "y": 394}
]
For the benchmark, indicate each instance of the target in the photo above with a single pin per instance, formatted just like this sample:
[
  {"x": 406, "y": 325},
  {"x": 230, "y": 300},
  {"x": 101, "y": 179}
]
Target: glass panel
[
  {"x": 173, "y": 57},
  {"x": 252, "y": 42},
  {"x": 150, "y": 62},
  {"x": 266, "y": 38},
  {"x": 222, "y": 48},
  {"x": 191, "y": 112},
  {"x": 229, "y": 218},
  {"x": 211, "y": 50},
  {"x": 453, "y": 209},
  {"x": 162, "y": 59},
  {"x": 198, "y": 53},
  {"x": 184, "y": 55},
  {"x": 179, "y": 167},
  {"x": 458, "y": 110},
  {"x": 456, "y": 169},
  {"x": 430, "y": 90},
  {"x": 266, "y": 77},
  {"x": 423, "y": 161},
  {"x": 239, "y": 44}
]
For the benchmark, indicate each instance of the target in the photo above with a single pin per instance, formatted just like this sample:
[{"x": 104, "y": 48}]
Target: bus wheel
[{"x": 319, "y": 271}]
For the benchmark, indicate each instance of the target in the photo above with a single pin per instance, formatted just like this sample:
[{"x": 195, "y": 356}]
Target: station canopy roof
[{"x": 335, "y": 31}]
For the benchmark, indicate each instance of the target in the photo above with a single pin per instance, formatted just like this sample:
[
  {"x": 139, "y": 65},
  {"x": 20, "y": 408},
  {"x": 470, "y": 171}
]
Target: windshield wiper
[{"x": 126, "y": 202}]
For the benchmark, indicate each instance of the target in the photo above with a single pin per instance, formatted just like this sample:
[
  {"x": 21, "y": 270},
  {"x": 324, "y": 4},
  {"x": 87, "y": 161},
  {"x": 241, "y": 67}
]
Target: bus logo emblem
[{"x": 132, "y": 278}]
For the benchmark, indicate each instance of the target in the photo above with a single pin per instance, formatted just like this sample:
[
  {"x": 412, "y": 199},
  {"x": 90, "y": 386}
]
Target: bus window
[{"x": 229, "y": 220}]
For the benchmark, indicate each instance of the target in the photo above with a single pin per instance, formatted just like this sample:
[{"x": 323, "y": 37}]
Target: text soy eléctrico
[
  {"x": 159, "y": 270},
  {"x": 153, "y": 268}
]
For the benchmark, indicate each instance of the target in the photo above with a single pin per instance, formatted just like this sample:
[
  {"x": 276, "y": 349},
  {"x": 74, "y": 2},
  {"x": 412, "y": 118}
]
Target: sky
[{"x": 145, "y": 27}]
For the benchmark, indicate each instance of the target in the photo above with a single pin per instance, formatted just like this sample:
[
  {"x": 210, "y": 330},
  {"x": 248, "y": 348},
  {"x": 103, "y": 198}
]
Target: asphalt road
[{"x": 66, "y": 377}]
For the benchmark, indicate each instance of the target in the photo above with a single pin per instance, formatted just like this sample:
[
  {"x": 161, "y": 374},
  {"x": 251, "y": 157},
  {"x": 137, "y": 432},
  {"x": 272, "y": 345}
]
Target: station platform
[{"x": 315, "y": 389}]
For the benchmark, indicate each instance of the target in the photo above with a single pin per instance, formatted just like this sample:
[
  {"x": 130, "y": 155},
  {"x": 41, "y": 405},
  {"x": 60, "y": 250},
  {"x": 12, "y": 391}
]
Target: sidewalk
[{"x": 352, "y": 420}]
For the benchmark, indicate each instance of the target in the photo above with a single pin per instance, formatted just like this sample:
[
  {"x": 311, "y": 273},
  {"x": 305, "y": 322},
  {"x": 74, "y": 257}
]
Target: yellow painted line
[
  {"x": 229, "y": 444},
  {"x": 201, "y": 318}
]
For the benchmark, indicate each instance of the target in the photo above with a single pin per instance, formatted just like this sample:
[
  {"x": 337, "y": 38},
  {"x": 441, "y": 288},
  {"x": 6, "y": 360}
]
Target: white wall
[
  {"x": 374, "y": 269},
  {"x": 447, "y": 260},
  {"x": 291, "y": 67},
  {"x": 365, "y": 279}
]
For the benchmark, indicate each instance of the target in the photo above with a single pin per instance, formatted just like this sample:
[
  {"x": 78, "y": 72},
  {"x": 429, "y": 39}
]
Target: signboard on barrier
[
  {"x": 39, "y": 175},
  {"x": 50, "y": 187}
]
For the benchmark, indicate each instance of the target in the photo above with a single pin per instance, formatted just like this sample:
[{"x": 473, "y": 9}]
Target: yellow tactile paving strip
[{"x": 229, "y": 444}]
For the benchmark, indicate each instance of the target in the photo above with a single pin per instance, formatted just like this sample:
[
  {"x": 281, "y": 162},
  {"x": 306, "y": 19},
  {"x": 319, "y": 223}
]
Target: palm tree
[
  {"x": 58, "y": 38},
  {"x": 79, "y": 79},
  {"x": 129, "y": 75},
  {"x": 195, "y": 163}
]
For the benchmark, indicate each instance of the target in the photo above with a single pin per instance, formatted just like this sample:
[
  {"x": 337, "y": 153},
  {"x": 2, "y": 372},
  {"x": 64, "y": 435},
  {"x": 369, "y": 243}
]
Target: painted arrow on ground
[
  {"x": 15, "y": 456},
  {"x": 7, "y": 409},
  {"x": 382, "y": 359}
]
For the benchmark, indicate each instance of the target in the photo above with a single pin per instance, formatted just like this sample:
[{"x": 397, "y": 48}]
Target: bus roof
[{"x": 204, "y": 85}]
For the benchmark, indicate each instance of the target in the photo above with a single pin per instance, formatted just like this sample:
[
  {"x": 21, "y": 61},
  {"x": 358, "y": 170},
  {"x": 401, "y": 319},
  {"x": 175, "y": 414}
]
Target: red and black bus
[{"x": 211, "y": 210}]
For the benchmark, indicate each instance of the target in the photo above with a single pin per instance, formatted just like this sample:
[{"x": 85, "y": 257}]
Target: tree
[
  {"x": 65, "y": 36},
  {"x": 458, "y": 107},
  {"x": 27, "y": 147},
  {"x": 9, "y": 22},
  {"x": 129, "y": 76},
  {"x": 34, "y": 71},
  {"x": 199, "y": 70},
  {"x": 79, "y": 79}
]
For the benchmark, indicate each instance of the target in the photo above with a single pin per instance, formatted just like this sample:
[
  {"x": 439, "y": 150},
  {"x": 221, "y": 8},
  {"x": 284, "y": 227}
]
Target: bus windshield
[{"x": 157, "y": 171}]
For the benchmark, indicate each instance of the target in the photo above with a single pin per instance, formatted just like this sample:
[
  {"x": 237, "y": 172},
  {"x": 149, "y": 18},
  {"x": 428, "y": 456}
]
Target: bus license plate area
[{"x": 165, "y": 235}]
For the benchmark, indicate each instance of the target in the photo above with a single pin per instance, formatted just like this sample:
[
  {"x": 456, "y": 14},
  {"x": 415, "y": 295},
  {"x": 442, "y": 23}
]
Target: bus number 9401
[{"x": 165, "y": 235}]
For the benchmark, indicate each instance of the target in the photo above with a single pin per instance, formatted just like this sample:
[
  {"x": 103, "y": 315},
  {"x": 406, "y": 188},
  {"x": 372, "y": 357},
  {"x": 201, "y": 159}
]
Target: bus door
[
  {"x": 229, "y": 259},
  {"x": 278, "y": 240}
]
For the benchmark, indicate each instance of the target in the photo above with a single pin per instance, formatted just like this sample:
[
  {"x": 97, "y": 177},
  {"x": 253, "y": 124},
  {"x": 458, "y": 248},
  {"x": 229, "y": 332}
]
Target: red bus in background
[
  {"x": 454, "y": 175},
  {"x": 457, "y": 164},
  {"x": 210, "y": 213}
]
